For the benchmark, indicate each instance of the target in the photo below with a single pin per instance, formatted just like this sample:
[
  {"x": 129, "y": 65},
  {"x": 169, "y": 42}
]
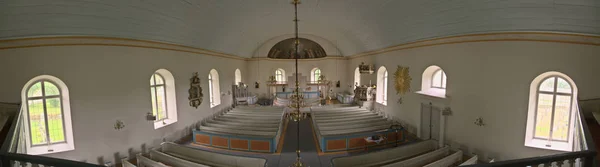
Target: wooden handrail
[
  {"x": 46, "y": 161},
  {"x": 533, "y": 161}
]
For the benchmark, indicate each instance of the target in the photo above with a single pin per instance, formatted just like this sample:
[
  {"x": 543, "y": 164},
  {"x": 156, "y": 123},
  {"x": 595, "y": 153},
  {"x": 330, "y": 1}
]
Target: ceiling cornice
[
  {"x": 32, "y": 42},
  {"x": 531, "y": 36}
]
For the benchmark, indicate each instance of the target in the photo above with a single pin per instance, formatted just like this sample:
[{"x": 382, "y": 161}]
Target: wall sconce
[
  {"x": 337, "y": 84},
  {"x": 256, "y": 85},
  {"x": 479, "y": 122},
  {"x": 119, "y": 125},
  {"x": 447, "y": 111},
  {"x": 150, "y": 117}
]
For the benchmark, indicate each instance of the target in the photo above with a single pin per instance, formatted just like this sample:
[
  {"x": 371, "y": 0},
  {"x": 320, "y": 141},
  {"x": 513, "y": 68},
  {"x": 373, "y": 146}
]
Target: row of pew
[
  {"x": 244, "y": 128},
  {"x": 345, "y": 127},
  {"x": 171, "y": 154},
  {"x": 420, "y": 154}
]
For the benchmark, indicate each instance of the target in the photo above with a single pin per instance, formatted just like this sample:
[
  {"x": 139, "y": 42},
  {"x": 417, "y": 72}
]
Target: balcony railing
[
  {"x": 583, "y": 156},
  {"x": 11, "y": 152}
]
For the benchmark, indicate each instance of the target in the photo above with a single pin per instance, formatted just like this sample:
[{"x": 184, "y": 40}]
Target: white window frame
[
  {"x": 313, "y": 74},
  {"x": 49, "y": 148},
  {"x": 530, "y": 139},
  {"x": 442, "y": 80},
  {"x": 214, "y": 90},
  {"x": 382, "y": 86},
  {"x": 154, "y": 86},
  {"x": 280, "y": 75},
  {"x": 170, "y": 99},
  {"x": 238, "y": 77},
  {"x": 356, "y": 77},
  {"x": 427, "y": 87}
]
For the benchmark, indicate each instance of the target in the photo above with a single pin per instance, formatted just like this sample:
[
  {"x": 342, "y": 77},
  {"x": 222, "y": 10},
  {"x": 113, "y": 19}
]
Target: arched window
[
  {"x": 213, "y": 88},
  {"x": 433, "y": 82},
  {"x": 162, "y": 94},
  {"x": 315, "y": 73},
  {"x": 551, "y": 112},
  {"x": 382, "y": 84},
  {"x": 438, "y": 80},
  {"x": 48, "y": 116},
  {"x": 357, "y": 77},
  {"x": 238, "y": 77},
  {"x": 279, "y": 75}
]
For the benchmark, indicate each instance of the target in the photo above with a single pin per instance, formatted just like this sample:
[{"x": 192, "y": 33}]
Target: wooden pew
[
  {"x": 447, "y": 161},
  {"x": 424, "y": 159},
  {"x": 210, "y": 158},
  {"x": 172, "y": 160},
  {"x": 126, "y": 163},
  {"x": 470, "y": 161},
  {"x": 147, "y": 162},
  {"x": 386, "y": 156}
]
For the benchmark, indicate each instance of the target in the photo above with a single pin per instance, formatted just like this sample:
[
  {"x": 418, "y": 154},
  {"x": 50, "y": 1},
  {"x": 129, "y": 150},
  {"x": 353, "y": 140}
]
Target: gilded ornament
[{"x": 403, "y": 80}]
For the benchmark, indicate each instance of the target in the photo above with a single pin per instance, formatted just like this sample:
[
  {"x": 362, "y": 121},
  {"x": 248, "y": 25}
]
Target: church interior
[{"x": 232, "y": 83}]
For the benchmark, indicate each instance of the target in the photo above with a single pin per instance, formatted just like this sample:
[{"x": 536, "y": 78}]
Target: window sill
[
  {"x": 56, "y": 148},
  {"x": 437, "y": 93},
  {"x": 163, "y": 123},
  {"x": 541, "y": 144}
]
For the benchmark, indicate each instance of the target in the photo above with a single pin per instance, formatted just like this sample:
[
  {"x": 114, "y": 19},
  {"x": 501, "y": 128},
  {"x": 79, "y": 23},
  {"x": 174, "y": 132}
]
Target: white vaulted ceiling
[{"x": 238, "y": 27}]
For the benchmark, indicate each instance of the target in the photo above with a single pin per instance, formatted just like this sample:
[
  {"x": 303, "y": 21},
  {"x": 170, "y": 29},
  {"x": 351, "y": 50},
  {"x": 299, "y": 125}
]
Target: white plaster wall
[
  {"x": 112, "y": 83},
  {"x": 491, "y": 80},
  {"x": 333, "y": 69}
]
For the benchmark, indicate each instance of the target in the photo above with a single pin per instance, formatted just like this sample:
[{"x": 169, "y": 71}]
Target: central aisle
[{"x": 308, "y": 147}]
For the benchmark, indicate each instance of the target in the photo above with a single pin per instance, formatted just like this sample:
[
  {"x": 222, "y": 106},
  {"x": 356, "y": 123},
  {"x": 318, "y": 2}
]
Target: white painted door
[{"x": 425, "y": 121}]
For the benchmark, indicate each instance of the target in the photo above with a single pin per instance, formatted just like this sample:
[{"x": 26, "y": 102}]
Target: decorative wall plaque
[
  {"x": 402, "y": 80},
  {"x": 365, "y": 69},
  {"x": 195, "y": 91}
]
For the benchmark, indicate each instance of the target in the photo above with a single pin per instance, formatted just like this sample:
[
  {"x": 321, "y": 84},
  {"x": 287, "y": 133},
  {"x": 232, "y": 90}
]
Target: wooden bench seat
[
  {"x": 147, "y": 162},
  {"x": 238, "y": 132},
  {"x": 386, "y": 156},
  {"x": 351, "y": 126},
  {"x": 350, "y": 122},
  {"x": 249, "y": 120},
  {"x": 349, "y": 119},
  {"x": 242, "y": 127},
  {"x": 172, "y": 160},
  {"x": 423, "y": 159},
  {"x": 250, "y": 117},
  {"x": 336, "y": 111},
  {"x": 256, "y": 114},
  {"x": 447, "y": 161},
  {"x": 210, "y": 158},
  {"x": 240, "y": 124},
  {"x": 354, "y": 130},
  {"x": 343, "y": 116}
]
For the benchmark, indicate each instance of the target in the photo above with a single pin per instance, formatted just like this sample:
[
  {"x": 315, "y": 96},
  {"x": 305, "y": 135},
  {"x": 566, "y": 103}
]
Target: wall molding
[
  {"x": 522, "y": 36},
  {"x": 528, "y": 36},
  {"x": 106, "y": 41}
]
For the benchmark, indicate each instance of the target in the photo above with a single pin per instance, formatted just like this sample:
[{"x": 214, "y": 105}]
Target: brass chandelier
[{"x": 297, "y": 99}]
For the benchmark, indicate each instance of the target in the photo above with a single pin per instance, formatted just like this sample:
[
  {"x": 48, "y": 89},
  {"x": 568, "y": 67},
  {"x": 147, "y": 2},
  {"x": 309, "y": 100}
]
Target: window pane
[
  {"x": 161, "y": 102},
  {"x": 37, "y": 124},
  {"x": 50, "y": 89},
  {"x": 563, "y": 86},
  {"x": 153, "y": 94},
  {"x": 437, "y": 79},
  {"x": 560, "y": 129},
  {"x": 543, "y": 116},
  {"x": 55, "y": 121},
  {"x": 152, "y": 79},
  {"x": 159, "y": 79},
  {"x": 548, "y": 85},
  {"x": 35, "y": 90},
  {"x": 210, "y": 90},
  {"x": 444, "y": 79}
]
